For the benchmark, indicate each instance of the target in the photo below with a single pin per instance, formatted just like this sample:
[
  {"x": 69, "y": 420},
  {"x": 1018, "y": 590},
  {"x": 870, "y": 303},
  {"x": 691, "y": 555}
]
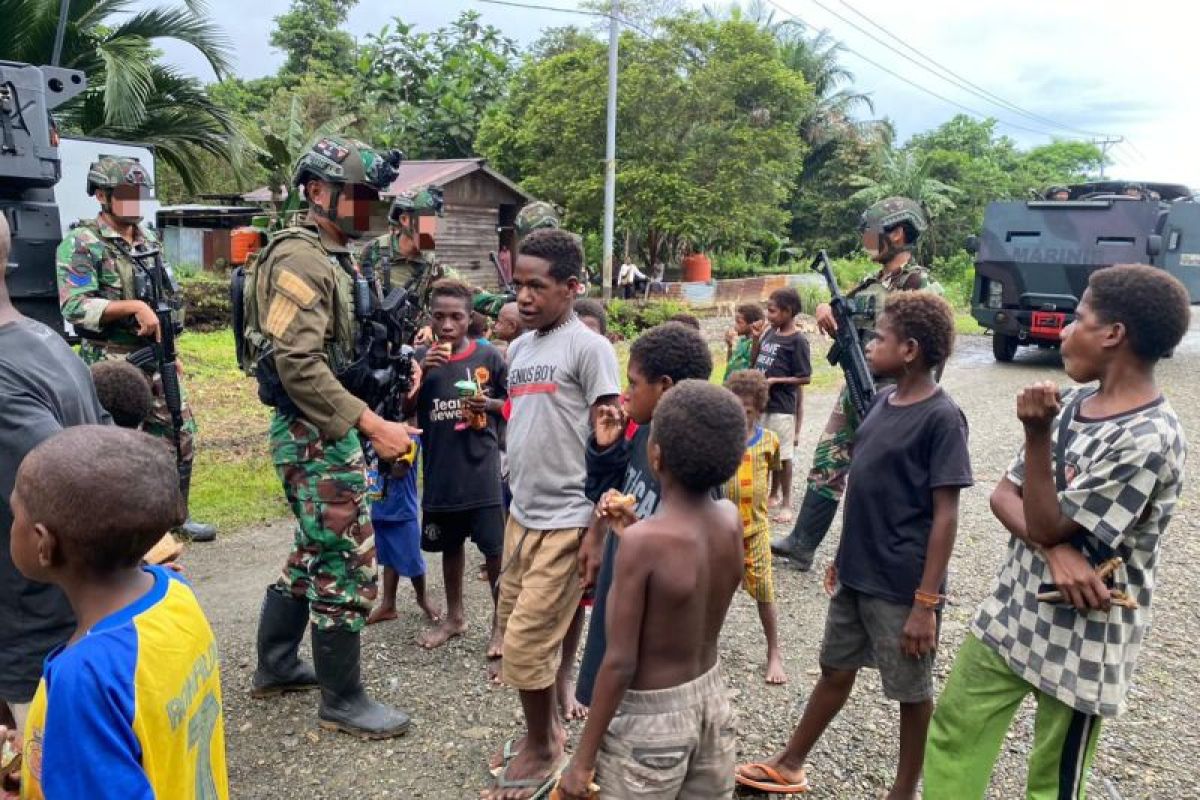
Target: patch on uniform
[
  {"x": 332, "y": 150},
  {"x": 295, "y": 287},
  {"x": 78, "y": 280},
  {"x": 279, "y": 318}
]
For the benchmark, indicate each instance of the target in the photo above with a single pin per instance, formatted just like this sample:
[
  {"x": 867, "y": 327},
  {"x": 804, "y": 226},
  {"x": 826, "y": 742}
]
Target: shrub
[
  {"x": 851, "y": 271},
  {"x": 627, "y": 320},
  {"x": 735, "y": 264},
  {"x": 206, "y": 302}
]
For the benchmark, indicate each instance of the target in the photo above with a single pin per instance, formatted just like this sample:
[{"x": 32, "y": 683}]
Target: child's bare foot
[
  {"x": 494, "y": 671},
  {"x": 901, "y": 794},
  {"x": 776, "y": 674},
  {"x": 381, "y": 614},
  {"x": 432, "y": 612},
  {"x": 483, "y": 576},
  {"x": 774, "y": 501},
  {"x": 436, "y": 637},
  {"x": 568, "y": 706}
]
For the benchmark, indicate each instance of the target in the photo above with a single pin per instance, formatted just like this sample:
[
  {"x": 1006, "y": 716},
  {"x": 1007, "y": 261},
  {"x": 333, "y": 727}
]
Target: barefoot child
[
  {"x": 658, "y": 359},
  {"x": 660, "y": 698},
  {"x": 901, "y": 515},
  {"x": 396, "y": 518},
  {"x": 781, "y": 353},
  {"x": 1100, "y": 475},
  {"x": 560, "y": 373},
  {"x": 130, "y": 706},
  {"x": 748, "y": 490},
  {"x": 461, "y": 454}
]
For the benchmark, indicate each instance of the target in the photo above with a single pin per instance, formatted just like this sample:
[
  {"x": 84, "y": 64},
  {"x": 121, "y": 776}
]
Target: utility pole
[
  {"x": 1105, "y": 144},
  {"x": 610, "y": 148}
]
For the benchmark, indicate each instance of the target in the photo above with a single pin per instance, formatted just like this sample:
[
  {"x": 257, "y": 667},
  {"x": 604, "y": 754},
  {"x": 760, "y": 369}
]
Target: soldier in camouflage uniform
[
  {"x": 395, "y": 258},
  {"x": 96, "y": 291},
  {"x": 890, "y": 229},
  {"x": 304, "y": 288},
  {"x": 532, "y": 216}
]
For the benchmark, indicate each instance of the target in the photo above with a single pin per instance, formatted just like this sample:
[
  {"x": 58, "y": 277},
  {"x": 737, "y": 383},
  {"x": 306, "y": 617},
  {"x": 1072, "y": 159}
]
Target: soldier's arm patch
[
  {"x": 279, "y": 318},
  {"x": 295, "y": 288}
]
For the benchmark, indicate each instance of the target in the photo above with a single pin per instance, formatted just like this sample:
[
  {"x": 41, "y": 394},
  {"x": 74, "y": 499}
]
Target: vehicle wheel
[{"x": 1004, "y": 347}]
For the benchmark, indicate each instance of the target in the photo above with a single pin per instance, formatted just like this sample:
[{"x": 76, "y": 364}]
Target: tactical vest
[
  {"x": 250, "y": 286},
  {"x": 870, "y": 295}
]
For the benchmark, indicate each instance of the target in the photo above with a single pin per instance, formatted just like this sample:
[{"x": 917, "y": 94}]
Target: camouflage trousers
[
  {"x": 158, "y": 423},
  {"x": 831, "y": 459},
  {"x": 333, "y": 563}
]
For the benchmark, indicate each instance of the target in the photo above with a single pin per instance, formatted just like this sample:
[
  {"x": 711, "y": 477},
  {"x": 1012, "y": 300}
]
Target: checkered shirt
[{"x": 1124, "y": 476}]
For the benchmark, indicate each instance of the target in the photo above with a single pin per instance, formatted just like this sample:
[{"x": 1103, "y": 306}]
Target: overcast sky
[{"x": 1078, "y": 68}]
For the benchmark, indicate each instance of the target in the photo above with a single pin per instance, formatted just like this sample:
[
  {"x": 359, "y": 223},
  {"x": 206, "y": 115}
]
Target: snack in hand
[
  {"x": 620, "y": 505},
  {"x": 10, "y": 759}
]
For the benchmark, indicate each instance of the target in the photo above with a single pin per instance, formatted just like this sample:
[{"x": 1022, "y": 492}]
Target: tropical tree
[
  {"x": 131, "y": 95},
  {"x": 283, "y": 145}
]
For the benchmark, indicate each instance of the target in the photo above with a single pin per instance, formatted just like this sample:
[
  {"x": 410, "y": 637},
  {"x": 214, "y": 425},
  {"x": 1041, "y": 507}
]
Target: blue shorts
[{"x": 398, "y": 545}]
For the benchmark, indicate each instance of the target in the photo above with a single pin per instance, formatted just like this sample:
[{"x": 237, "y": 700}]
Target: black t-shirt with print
[
  {"x": 783, "y": 356},
  {"x": 461, "y": 466},
  {"x": 901, "y": 454}
]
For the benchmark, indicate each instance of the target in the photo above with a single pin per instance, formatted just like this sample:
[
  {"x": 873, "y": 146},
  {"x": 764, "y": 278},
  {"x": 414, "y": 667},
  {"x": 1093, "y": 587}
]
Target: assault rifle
[
  {"x": 847, "y": 350},
  {"x": 150, "y": 285}
]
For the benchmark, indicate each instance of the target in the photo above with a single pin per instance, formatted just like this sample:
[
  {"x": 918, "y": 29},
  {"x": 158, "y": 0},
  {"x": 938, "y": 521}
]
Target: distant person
[
  {"x": 1099, "y": 476},
  {"x": 676, "y": 572},
  {"x": 1058, "y": 193},
  {"x": 593, "y": 314},
  {"x": 507, "y": 328},
  {"x": 44, "y": 387},
  {"x": 131, "y": 705},
  {"x": 691, "y": 320},
  {"x": 504, "y": 258},
  {"x": 629, "y": 279}
]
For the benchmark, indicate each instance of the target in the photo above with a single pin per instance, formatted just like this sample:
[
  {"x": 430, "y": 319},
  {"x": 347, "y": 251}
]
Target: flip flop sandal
[
  {"x": 775, "y": 783},
  {"x": 542, "y": 786},
  {"x": 507, "y": 753}
]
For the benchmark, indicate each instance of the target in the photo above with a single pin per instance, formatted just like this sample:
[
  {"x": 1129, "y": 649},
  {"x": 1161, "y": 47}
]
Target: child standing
[
  {"x": 901, "y": 516},
  {"x": 1099, "y": 477},
  {"x": 781, "y": 353},
  {"x": 739, "y": 340},
  {"x": 463, "y": 386},
  {"x": 658, "y": 359},
  {"x": 132, "y": 702},
  {"x": 748, "y": 490},
  {"x": 396, "y": 518},
  {"x": 660, "y": 698}
]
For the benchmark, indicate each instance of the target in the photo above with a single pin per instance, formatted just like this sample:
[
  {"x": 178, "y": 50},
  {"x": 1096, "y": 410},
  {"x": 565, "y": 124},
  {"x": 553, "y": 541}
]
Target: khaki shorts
[
  {"x": 539, "y": 594},
  {"x": 677, "y": 742},
  {"x": 783, "y": 426}
]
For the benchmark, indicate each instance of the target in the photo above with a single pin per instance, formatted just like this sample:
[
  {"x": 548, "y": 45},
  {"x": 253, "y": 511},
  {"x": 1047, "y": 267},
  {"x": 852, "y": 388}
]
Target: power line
[
  {"x": 973, "y": 112},
  {"x": 579, "y": 11},
  {"x": 954, "y": 77}
]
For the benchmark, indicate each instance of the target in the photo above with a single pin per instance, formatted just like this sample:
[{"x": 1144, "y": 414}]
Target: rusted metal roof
[{"x": 416, "y": 175}]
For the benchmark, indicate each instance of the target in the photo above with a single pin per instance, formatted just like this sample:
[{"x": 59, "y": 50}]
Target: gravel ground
[{"x": 276, "y": 750}]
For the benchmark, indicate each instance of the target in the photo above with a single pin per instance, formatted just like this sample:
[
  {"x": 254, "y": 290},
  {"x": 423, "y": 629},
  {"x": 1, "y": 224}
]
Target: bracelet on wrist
[{"x": 929, "y": 600}]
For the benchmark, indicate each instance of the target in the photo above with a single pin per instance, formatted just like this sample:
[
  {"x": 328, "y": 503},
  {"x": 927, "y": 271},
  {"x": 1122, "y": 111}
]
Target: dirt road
[{"x": 276, "y": 750}]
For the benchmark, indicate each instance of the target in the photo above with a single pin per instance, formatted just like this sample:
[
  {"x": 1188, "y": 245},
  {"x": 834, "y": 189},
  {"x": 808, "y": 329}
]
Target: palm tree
[
  {"x": 906, "y": 174},
  {"x": 131, "y": 95},
  {"x": 281, "y": 149}
]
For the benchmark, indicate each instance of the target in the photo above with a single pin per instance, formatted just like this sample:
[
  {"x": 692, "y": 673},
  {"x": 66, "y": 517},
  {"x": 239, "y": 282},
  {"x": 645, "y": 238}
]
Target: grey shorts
[
  {"x": 864, "y": 631},
  {"x": 671, "y": 743}
]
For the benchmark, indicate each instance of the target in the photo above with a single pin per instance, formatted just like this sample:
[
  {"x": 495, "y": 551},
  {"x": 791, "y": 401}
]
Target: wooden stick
[{"x": 1104, "y": 571}]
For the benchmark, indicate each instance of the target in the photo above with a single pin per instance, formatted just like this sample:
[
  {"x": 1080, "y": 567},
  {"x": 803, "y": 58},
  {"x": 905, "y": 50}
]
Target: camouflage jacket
[
  {"x": 93, "y": 269},
  {"x": 382, "y": 258},
  {"x": 870, "y": 294},
  {"x": 305, "y": 289}
]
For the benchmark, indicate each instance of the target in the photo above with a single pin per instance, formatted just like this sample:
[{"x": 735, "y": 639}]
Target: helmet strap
[{"x": 329, "y": 212}]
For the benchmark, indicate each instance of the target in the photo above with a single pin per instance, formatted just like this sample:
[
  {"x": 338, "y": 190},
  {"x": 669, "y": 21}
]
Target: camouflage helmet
[
  {"x": 422, "y": 203},
  {"x": 538, "y": 214},
  {"x": 893, "y": 211},
  {"x": 342, "y": 160},
  {"x": 113, "y": 171}
]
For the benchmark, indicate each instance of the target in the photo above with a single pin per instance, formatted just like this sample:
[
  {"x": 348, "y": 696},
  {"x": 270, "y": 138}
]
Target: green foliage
[
  {"x": 309, "y": 33},
  {"x": 131, "y": 94},
  {"x": 206, "y": 301},
  {"x": 707, "y": 122},
  {"x": 735, "y": 264},
  {"x": 852, "y": 270},
  {"x": 627, "y": 319},
  {"x": 434, "y": 86}
]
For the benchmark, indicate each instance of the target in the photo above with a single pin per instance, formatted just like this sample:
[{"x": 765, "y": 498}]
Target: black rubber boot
[
  {"x": 281, "y": 626},
  {"x": 191, "y": 530},
  {"x": 812, "y": 523},
  {"x": 344, "y": 703}
]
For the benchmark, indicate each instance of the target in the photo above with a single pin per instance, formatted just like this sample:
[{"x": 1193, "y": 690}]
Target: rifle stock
[{"x": 847, "y": 351}]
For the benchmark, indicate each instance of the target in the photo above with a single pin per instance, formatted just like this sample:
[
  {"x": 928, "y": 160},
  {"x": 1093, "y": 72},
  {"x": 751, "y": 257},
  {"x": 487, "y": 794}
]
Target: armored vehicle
[
  {"x": 29, "y": 169},
  {"x": 1034, "y": 257}
]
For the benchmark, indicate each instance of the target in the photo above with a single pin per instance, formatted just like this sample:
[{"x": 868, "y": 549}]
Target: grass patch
[{"x": 965, "y": 324}]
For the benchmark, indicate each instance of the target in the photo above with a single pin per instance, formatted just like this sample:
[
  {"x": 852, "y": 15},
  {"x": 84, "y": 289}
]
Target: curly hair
[
  {"x": 1151, "y": 303},
  {"x": 593, "y": 309},
  {"x": 557, "y": 247},
  {"x": 700, "y": 430},
  {"x": 140, "y": 499},
  {"x": 451, "y": 287},
  {"x": 750, "y": 312},
  {"x": 788, "y": 299},
  {"x": 686, "y": 319},
  {"x": 672, "y": 350},
  {"x": 750, "y": 384},
  {"x": 124, "y": 392},
  {"x": 927, "y": 318}
]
